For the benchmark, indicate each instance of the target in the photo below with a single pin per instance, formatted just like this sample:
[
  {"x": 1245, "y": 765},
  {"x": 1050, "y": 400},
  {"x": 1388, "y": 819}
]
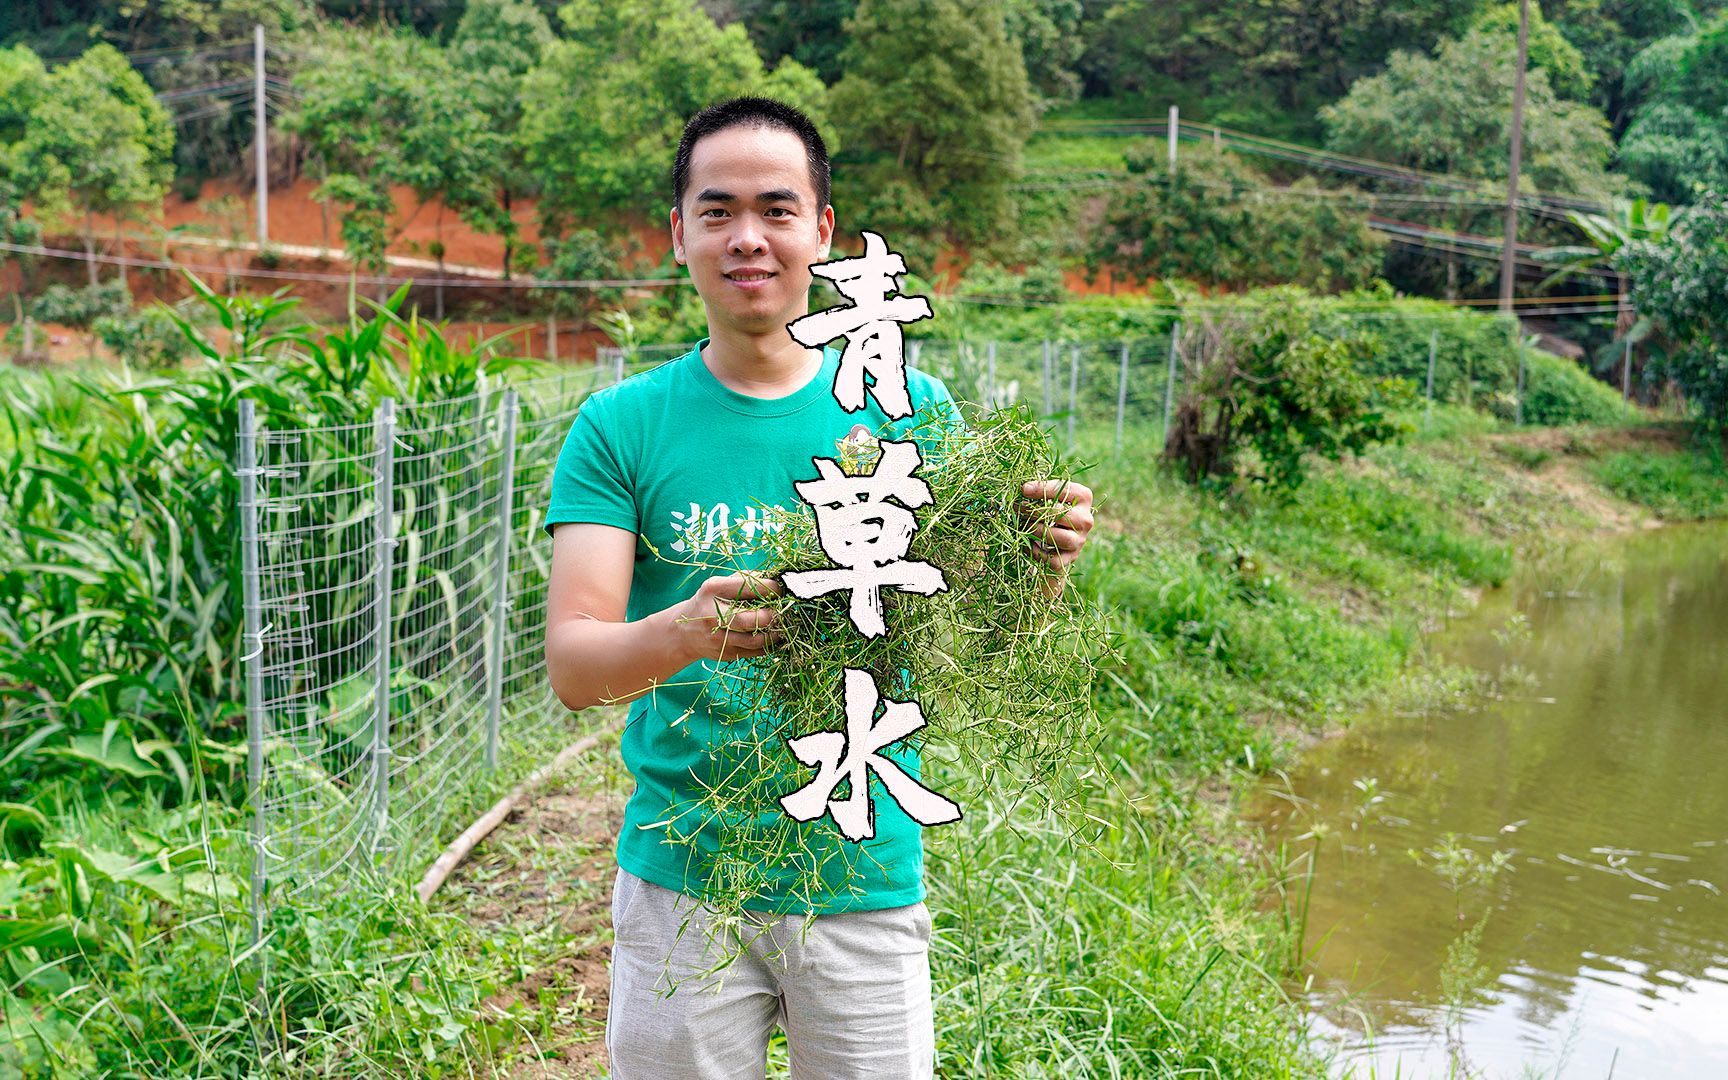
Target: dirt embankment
[{"x": 216, "y": 236}]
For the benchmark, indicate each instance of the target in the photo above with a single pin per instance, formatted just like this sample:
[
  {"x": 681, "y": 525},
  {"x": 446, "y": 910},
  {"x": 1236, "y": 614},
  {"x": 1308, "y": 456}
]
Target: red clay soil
[{"x": 224, "y": 210}]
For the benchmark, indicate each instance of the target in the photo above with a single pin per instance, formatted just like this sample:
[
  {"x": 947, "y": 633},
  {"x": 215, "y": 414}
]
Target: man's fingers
[
  {"x": 1068, "y": 491},
  {"x": 1064, "y": 539},
  {"x": 747, "y": 620},
  {"x": 746, "y": 586}
]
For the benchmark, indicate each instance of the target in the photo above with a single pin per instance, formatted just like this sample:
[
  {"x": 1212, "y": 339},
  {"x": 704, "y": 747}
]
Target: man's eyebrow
[{"x": 715, "y": 195}]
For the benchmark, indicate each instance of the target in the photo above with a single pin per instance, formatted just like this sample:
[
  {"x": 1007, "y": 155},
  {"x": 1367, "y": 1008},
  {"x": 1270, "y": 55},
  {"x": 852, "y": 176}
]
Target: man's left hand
[{"x": 1060, "y": 543}]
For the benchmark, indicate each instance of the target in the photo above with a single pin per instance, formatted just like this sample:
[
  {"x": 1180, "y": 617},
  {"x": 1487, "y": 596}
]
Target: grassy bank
[{"x": 1251, "y": 626}]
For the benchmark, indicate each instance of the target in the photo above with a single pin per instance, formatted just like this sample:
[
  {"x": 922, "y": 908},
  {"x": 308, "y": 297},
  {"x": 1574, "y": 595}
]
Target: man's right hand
[{"x": 714, "y": 625}]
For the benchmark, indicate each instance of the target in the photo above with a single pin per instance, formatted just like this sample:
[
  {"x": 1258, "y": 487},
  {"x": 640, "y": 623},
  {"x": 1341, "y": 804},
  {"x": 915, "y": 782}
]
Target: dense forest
[{"x": 1328, "y": 143}]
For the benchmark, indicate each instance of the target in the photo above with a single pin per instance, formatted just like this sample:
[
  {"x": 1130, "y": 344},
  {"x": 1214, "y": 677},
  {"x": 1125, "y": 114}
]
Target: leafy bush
[
  {"x": 1266, "y": 378},
  {"x": 1217, "y": 220},
  {"x": 1475, "y": 353},
  {"x": 1557, "y": 391},
  {"x": 68, "y": 306},
  {"x": 150, "y": 336}
]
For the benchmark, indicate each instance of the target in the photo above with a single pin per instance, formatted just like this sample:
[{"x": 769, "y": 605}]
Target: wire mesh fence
[
  {"x": 396, "y": 588},
  {"x": 396, "y": 583}
]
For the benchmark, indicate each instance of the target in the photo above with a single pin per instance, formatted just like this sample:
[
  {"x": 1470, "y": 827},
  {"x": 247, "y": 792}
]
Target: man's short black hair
[{"x": 753, "y": 112}]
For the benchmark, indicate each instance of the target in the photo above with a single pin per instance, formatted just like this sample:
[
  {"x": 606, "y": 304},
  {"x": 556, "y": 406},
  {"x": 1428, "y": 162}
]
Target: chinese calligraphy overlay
[
  {"x": 865, "y": 524},
  {"x": 867, "y": 534},
  {"x": 853, "y": 755},
  {"x": 875, "y": 345}
]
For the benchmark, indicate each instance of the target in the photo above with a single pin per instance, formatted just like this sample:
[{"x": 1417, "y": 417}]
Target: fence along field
[{"x": 391, "y": 656}]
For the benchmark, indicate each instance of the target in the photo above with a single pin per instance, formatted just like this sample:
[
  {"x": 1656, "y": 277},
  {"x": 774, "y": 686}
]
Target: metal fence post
[
  {"x": 1170, "y": 376},
  {"x": 500, "y": 589},
  {"x": 384, "y": 529},
  {"x": 990, "y": 378},
  {"x": 1626, "y": 380},
  {"x": 1073, "y": 390},
  {"x": 254, "y": 657},
  {"x": 1433, "y": 351},
  {"x": 1049, "y": 404},
  {"x": 1121, "y": 395},
  {"x": 1518, "y": 411}
]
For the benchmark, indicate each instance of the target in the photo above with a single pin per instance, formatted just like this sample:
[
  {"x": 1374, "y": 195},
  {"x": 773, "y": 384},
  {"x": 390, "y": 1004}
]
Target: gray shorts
[{"x": 852, "y": 995}]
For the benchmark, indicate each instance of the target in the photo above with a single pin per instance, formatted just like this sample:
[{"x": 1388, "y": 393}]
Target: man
[{"x": 674, "y": 458}]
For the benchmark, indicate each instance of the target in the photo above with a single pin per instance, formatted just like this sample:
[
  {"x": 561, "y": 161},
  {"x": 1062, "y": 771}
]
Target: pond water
[{"x": 1577, "y": 814}]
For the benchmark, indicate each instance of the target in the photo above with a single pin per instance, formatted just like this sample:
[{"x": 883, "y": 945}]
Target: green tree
[
  {"x": 811, "y": 32},
  {"x": 1220, "y": 221},
  {"x": 96, "y": 142},
  {"x": 1048, "y": 32},
  {"x": 1254, "y": 65},
  {"x": 392, "y": 109},
  {"x": 603, "y": 112},
  {"x": 1679, "y": 282},
  {"x": 23, "y": 83},
  {"x": 496, "y": 44},
  {"x": 1549, "y": 50},
  {"x": 936, "y": 105},
  {"x": 1452, "y": 112},
  {"x": 1677, "y": 141}
]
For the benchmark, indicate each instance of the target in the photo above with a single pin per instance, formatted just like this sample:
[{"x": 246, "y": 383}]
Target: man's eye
[
  {"x": 779, "y": 210},
  {"x": 712, "y": 210}
]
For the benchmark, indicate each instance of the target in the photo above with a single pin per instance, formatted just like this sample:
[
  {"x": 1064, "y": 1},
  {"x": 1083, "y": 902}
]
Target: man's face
[{"x": 749, "y": 228}]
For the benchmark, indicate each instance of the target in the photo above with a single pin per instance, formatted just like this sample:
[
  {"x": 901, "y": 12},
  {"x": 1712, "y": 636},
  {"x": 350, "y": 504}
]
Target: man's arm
[{"x": 593, "y": 656}]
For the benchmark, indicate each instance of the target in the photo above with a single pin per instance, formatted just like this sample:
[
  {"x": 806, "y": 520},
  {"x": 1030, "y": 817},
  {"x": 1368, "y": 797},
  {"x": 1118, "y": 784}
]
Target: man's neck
[{"x": 765, "y": 366}]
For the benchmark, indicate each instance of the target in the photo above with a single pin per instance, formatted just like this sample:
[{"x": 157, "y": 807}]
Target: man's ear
[
  {"x": 677, "y": 237},
  {"x": 825, "y": 230}
]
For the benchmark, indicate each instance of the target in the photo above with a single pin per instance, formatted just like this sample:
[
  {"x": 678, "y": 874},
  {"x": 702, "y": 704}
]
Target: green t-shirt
[{"x": 678, "y": 458}]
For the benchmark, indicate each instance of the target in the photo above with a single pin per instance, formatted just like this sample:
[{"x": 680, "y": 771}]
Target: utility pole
[
  {"x": 260, "y": 136},
  {"x": 1511, "y": 240}
]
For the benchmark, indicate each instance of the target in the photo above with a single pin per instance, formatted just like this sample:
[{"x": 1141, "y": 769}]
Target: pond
[{"x": 1534, "y": 886}]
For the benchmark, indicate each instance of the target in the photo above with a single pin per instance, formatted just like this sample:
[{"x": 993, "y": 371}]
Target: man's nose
[{"x": 747, "y": 237}]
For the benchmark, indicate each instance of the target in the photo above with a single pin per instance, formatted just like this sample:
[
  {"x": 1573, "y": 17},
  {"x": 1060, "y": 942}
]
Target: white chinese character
[
  {"x": 685, "y": 527},
  {"x": 871, "y": 326},
  {"x": 866, "y": 535},
  {"x": 852, "y": 755}
]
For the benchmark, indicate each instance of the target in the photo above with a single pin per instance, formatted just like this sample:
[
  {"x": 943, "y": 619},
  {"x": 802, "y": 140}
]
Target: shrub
[
  {"x": 149, "y": 336},
  {"x": 81, "y": 307},
  {"x": 1558, "y": 391},
  {"x": 1219, "y": 221},
  {"x": 1267, "y": 379}
]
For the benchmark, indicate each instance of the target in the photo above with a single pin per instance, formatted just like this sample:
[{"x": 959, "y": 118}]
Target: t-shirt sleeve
[{"x": 590, "y": 482}]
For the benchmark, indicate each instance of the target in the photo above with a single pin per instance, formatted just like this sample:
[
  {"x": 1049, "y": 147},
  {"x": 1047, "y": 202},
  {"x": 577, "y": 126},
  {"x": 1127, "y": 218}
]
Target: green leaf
[{"x": 118, "y": 756}]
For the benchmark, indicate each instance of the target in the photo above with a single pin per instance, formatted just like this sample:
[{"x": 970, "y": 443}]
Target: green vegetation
[
  {"x": 126, "y": 889},
  {"x": 1267, "y": 380},
  {"x": 1688, "y": 486},
  {"x": 1215, "y": 221}
]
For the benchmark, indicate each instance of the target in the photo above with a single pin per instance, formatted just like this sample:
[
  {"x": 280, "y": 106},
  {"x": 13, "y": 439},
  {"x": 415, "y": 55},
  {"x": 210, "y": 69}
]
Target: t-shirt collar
[{"x": 820, "y": 383}]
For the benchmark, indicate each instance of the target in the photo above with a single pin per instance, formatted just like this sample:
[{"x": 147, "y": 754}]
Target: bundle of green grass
[{"x": 1000, "y": 667}]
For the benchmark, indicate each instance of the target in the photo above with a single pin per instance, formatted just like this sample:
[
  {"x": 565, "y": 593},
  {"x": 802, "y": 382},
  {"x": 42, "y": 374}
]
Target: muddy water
[{"x": 1578, "y": 815}]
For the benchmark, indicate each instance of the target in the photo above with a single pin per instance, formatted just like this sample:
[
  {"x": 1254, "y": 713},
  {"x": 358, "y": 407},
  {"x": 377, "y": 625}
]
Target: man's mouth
[{"x": 749, "y": 275}]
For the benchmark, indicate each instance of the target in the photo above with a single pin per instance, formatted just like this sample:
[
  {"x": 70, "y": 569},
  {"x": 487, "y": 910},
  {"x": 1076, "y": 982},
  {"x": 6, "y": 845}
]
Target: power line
[{"x": 364, "y": 279}]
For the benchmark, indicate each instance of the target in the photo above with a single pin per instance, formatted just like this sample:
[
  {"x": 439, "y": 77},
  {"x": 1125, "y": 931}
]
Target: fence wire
[
  {"x": 396, "y": 581},
  {"x": 396, "y": 601}
]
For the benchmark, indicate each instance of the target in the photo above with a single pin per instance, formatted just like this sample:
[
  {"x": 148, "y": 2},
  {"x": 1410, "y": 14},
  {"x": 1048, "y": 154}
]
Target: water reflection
[{"x": 1599, "y": 773}]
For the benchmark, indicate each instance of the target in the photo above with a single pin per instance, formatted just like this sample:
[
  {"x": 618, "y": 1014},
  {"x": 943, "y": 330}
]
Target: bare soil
[{"x": 545, "y": 876}]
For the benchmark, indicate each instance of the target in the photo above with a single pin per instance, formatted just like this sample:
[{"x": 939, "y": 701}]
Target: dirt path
[{"x": 545, "y": 876}]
